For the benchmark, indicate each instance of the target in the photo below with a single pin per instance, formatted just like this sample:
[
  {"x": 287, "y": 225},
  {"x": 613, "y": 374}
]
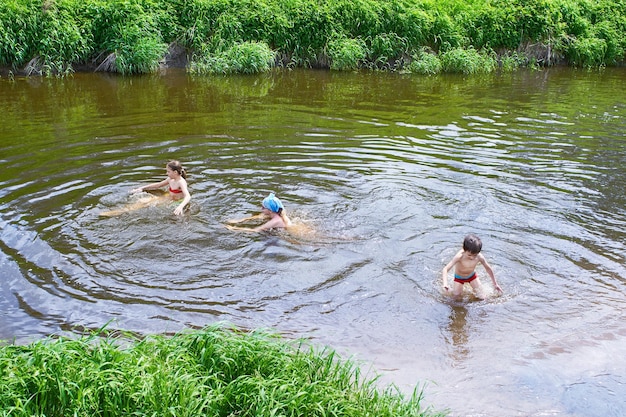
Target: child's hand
[
  {"x": 136, "y": 190},
  {"x": 179, "y": 210},
  {"x": 499, "y": 289}
]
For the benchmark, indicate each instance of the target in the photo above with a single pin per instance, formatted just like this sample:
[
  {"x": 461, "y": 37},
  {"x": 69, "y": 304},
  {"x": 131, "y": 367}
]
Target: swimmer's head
[
  {"x": 177, "y": 167},
  {"x": 472, "y": 244},
  {"x": 272, "y": 203}
]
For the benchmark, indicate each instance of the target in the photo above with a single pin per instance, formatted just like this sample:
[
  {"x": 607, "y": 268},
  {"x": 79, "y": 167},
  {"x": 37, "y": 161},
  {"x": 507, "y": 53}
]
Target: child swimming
[
  {"x": 272, "y": 209},
  {"x": 177, "y": 191}
]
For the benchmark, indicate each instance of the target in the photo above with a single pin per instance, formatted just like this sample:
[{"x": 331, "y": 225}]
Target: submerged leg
[
  {"x": 136, "y": 205},
  {"x": 457, "y": 290},
  {"x": 478, "y": 289}
]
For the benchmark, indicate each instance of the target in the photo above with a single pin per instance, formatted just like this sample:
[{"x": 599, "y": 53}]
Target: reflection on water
[
  {"x": 389, "y": 170},
  {"x": 459, "y": 334}
]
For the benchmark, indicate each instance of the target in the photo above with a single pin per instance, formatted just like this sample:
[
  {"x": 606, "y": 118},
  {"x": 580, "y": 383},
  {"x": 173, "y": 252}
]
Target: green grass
[
  {"x": 227, "y": 36},
  {"x": 210, "y": 372},
  {"x": 467, "y": 61},
  {"x": 425, "y": 63},
  {"x": 346, "y": 54},
  {"x": 242, "y": 58}
]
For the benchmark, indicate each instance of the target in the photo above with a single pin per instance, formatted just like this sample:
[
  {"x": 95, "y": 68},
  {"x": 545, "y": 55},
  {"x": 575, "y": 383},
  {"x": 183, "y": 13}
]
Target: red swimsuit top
[{"x": 178, "y": 191}]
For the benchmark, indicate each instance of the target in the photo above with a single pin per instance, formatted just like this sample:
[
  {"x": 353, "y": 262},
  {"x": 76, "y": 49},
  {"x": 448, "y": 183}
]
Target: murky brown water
[{"x": 390, "y": 170}]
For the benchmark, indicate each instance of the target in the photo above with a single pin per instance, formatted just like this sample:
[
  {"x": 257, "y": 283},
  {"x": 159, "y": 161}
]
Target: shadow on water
[{"x": 390, "y": 171}]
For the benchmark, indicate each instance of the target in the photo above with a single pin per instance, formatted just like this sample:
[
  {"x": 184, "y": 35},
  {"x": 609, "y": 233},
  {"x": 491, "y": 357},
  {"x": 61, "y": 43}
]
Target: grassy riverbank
[
  {"x": 246, "y": 36},
  {"x": 209, "y": 372}
]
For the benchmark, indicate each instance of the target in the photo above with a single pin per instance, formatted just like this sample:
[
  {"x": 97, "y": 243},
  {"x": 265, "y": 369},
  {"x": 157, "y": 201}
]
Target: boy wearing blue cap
[{"x": 273, "y": 209}]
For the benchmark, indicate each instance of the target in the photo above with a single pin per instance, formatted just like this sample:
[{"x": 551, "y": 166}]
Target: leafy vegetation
[
  {"x": 225, "y": 36},
  {"x": 467, "y": 61},
  {"x": 246, "y": 57},
  {"x": 425, "y": 63},
  {"x": 209, "y": 372}
]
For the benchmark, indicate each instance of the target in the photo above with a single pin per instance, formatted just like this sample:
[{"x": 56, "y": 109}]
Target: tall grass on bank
[
  {"x": 135, "y": 36},
  {"x": 246, "y": 58},
  {"x": 467, "y": 61},
  {"x": 210, "y": 372}
]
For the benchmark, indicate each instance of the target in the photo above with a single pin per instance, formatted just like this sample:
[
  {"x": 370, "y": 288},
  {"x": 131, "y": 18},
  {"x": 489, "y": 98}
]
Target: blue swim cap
[{"x": 272, "y": 203}]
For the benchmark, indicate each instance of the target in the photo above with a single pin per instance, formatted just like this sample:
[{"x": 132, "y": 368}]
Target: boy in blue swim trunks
[{"x": 464, "y": 263}]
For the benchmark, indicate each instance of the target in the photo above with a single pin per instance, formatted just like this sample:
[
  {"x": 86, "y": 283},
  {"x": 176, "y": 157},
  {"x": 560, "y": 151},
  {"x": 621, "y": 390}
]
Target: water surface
[{"x": 390, "y": 170}]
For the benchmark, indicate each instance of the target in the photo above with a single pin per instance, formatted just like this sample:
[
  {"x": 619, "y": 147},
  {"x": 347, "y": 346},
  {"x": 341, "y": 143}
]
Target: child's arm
[
  {"x": 490, "y": 273},
  {"x": 275, "y": 222},
  {"x": 245, "y": 219},
  {"x": 444, "y": 273},
  {"x": 152, "y": 186},
  {"x": 239, "y": 228}
]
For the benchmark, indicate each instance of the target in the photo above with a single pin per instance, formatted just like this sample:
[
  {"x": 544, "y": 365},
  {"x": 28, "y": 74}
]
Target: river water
[{"x": 390, "y": 171}]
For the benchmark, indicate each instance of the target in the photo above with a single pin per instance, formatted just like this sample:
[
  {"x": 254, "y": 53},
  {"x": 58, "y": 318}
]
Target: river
[{"x": 389, "y": 171}]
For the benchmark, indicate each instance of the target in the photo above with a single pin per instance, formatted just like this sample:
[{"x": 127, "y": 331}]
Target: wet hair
[
  {"x": 176, "y": 166},
  {"x": 472, "y": 244}
]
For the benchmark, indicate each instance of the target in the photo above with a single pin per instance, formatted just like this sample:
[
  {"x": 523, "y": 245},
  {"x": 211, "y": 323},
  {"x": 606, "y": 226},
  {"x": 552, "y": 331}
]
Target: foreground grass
[
  {"x": 210, "y": 372},
  {"x": 235, "y": 36}
]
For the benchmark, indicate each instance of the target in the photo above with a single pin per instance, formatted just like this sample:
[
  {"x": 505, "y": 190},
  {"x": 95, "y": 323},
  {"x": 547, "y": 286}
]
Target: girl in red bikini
[
  {"x": 464, "y": 263},
  {"x": 177, "y": 183}
]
